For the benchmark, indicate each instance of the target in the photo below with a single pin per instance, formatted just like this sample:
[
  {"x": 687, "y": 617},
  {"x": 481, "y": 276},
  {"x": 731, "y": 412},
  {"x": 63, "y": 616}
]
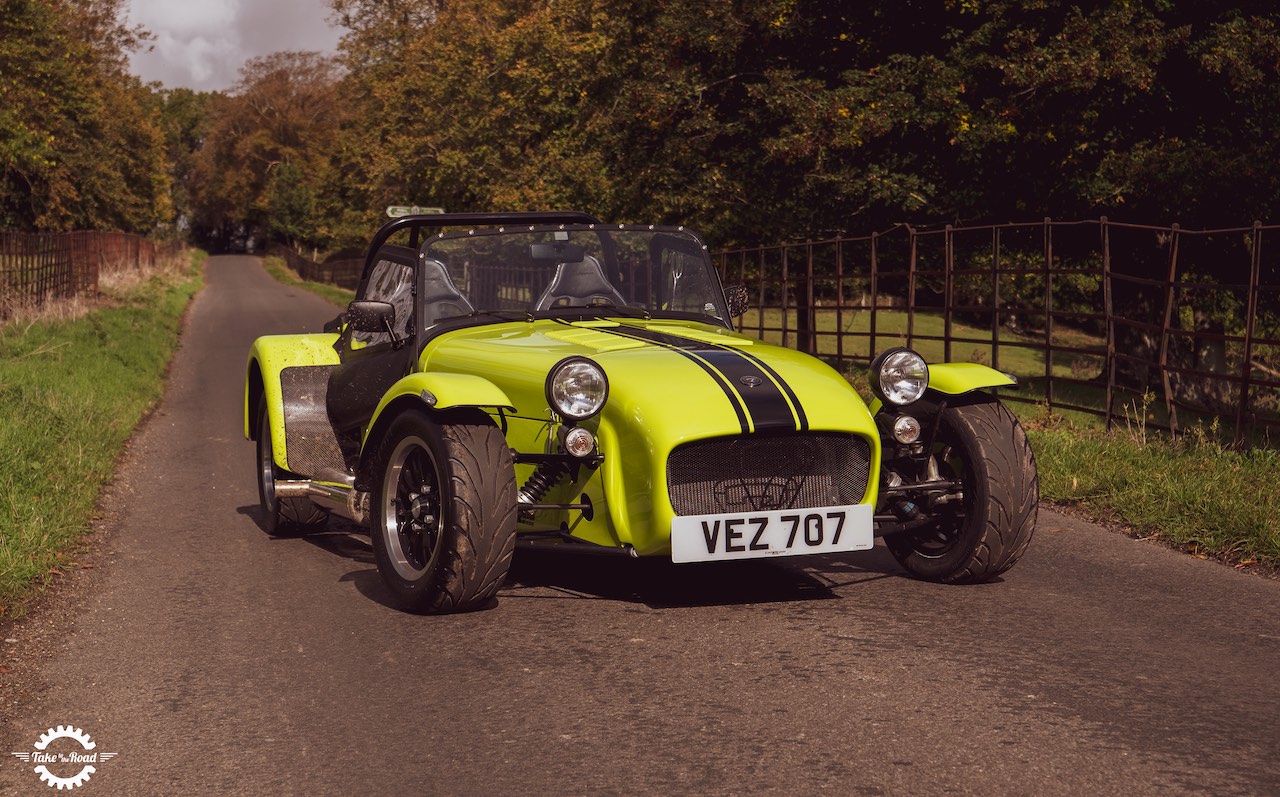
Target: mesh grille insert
[{"x": 753, "y": 474}]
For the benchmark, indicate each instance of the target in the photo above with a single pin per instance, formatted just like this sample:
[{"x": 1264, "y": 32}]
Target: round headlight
[
  {"x": 899, "y": 376},
  {"x": 577, "y": 388}
]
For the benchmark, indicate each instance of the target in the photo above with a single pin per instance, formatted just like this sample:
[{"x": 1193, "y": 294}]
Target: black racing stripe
[
  {"x": 768, "y": 408},
  {"x": 738, "y": 409},
  {"x": 802, "y": 420}
]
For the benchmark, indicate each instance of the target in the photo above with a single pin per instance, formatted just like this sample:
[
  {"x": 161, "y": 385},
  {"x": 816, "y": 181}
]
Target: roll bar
[{"x": 433, "y": 220}]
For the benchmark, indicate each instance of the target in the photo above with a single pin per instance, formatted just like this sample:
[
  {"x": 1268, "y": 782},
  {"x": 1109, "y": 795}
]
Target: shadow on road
[
  {"x": 567, "y": 574},
  {"x": 657, "y": 583}
]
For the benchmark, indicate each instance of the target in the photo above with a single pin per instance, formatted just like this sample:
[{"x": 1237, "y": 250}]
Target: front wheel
[
  {"x": 983, "y": 534},
  {"x": 444, "y": 519}
]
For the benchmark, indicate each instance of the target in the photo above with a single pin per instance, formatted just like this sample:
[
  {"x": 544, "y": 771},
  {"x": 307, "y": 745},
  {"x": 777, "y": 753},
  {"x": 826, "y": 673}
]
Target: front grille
[{"x": 754, "y": 474}]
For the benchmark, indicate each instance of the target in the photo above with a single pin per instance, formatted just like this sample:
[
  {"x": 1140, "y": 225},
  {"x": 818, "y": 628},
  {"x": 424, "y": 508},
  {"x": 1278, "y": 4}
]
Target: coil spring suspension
[{"x": 547, "y": 475}]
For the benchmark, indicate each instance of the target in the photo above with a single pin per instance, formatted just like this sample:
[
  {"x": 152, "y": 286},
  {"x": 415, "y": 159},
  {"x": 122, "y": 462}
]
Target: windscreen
[{"x": 571, "y": 271}]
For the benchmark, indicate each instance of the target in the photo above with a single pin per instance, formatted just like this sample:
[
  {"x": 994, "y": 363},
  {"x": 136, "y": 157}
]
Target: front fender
[
  {"x": 955, "y": 379},
  {"x": 442, "y": 391}
]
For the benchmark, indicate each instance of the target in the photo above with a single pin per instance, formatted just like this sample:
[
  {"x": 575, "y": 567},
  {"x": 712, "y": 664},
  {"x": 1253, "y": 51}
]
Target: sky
[{"x": 201, "y": 44}]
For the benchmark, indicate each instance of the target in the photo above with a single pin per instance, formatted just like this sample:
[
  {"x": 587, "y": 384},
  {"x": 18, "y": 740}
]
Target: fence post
[
  {"x": 806, "y": 328},
  {"x": 911, "y": 288},
  {"x": 1109, "y": 363},
  {"x": 1048, "y": 311},
  {"x": 840, "y": 301},
  {"x": 786, "y": 289},
  {"x": 875, "y": 295},
  {"x": 760, "y": 304},
  {"x": 995, "y": 298},
  {"x": 742, "y": 280},
  {"x": 948, "y": 291},
  {"x": 1166, "y": 328},
  {"x": 93, "y": 255},
  {"x": 1246, "y": 370}
]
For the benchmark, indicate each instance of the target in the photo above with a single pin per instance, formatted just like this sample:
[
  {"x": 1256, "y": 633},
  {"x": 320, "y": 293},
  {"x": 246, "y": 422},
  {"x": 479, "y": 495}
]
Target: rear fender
[{"x": 269, "y": 356}]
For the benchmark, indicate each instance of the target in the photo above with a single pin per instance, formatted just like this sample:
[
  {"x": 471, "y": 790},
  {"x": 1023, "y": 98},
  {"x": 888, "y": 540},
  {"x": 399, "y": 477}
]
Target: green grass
[
  {"x": 71, "y": 393},
  {"x": 847, "y": 334},
  {"x": 1191, "y": 492},
  {"x": 276, "y": 267}
]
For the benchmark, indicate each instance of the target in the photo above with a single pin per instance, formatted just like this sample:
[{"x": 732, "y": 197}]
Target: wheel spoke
[
  {"x": 408, "y": 481},
  {"x": 418, "y": 551},
  {"x": 411, "y": 511}
]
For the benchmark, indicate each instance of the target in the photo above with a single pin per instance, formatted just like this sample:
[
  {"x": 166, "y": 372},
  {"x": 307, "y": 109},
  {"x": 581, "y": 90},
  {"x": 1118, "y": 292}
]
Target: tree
[
  {"x": 290, "y": 205},
  {"x": 184, "y": 120},
  {"x": 757, "y": 120},
  {"x": 79, "y": 141},
  {"x": 284, "y": 110}
]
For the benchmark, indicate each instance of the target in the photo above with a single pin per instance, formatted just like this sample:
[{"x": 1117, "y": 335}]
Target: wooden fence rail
[{"x": 37, "y": 267}]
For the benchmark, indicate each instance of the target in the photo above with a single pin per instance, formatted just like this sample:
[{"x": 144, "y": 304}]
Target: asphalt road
[{"x": 215, "y": 660}]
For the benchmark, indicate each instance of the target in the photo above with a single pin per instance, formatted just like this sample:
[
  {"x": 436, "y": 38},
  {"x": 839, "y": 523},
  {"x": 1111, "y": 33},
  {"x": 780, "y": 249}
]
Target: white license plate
[{"x": 782, "y": 532}]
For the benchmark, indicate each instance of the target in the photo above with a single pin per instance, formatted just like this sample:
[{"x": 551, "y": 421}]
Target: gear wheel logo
[{"x": 65, "y": 762}]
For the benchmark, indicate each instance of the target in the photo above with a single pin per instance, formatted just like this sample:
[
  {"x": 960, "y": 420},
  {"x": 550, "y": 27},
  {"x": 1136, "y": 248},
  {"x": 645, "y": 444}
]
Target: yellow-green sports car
[{"x": 547, "y": 378}]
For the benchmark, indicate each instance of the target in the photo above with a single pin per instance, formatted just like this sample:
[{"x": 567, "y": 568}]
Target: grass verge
[
  {"x": 1192, "y": 492},
  {"x": 276, "y": 267},
  {"x": 71, "y": 392}
]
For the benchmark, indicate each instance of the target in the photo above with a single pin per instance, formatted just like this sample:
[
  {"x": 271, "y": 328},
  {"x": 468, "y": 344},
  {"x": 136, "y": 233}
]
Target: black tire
[
  {"x": 284, "y": 517},
  {"x": 443, "y": 520},
  {"x": 983, "y": 535}
]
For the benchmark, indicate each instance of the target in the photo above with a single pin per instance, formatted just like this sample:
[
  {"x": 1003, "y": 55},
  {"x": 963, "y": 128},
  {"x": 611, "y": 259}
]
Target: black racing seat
[
  {"x": 441, "y": 297},
  {"x": 581, "y": 283}
]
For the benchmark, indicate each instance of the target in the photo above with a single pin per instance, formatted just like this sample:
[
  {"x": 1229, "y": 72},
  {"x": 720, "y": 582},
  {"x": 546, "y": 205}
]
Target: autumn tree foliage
[
  {"x": 762, "y": 119},
  {"x": 80, "y": 140},
  {"x": 753, "y": 120},
  {"x": 265, "y": 149}
]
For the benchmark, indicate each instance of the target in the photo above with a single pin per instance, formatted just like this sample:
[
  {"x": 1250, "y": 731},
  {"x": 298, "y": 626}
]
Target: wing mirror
[
  {"x": 374, "y": 317},
  {"x": 738, "y": 299},
  {"x": 371, "y": 317}
]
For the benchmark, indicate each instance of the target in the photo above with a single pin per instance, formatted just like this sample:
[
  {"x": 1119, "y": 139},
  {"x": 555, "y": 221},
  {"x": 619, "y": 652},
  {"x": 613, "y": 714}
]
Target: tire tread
[
  {"x": 1008, "y": 487},
  {"x": 479, "y": 535}
]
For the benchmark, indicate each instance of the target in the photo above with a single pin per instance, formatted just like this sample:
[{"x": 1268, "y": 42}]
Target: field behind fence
[
  {"x": 1178, "y": 328},
  {"x": 39, "y": 267}
]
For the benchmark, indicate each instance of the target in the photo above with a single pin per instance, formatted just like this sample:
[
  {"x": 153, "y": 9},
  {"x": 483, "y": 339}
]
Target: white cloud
[
  {"x": 201, "y": 60},
  {"x": 203, "y": 44},
  {"x": 185, "y": 18}
]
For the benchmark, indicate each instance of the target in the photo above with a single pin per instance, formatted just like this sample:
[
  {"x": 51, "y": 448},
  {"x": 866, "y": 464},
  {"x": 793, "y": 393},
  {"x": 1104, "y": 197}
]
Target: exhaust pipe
[{"x": 345, "y": 501}]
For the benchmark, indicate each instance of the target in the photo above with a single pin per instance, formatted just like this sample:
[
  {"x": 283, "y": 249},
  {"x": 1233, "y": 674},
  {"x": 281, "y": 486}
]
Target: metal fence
[
  {"x": 344, "y": 273},
  {"x": 37, "y": 267},
  {"x": 1165, "y": 326}
]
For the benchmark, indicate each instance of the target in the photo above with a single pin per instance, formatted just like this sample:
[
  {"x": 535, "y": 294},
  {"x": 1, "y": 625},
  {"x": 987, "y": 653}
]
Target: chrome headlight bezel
[
  {"x": 899, "y": 376},
  {"x": 577, "y": 388}
]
